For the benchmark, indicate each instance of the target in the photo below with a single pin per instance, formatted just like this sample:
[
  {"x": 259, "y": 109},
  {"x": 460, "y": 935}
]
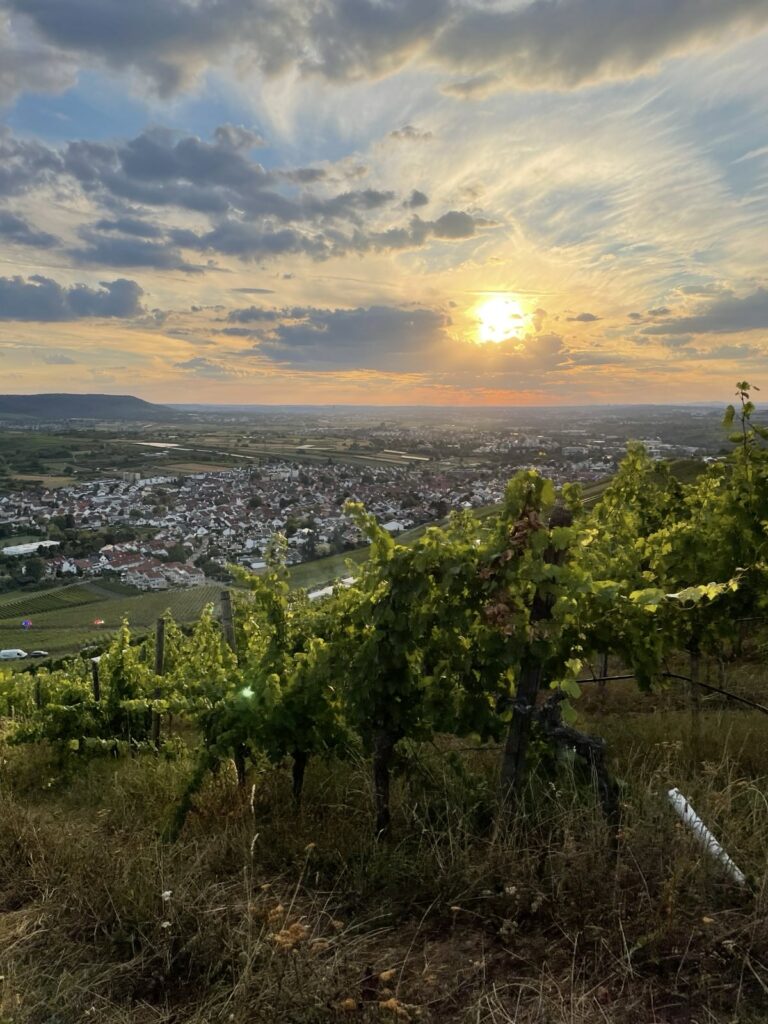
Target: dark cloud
[
  {"x": 249, "y": 218},
  {"x": 117, "y": 251},
  {"x": 659, "y": 311},
  {"x": 454, "y": 224},
  {"x": 41, "y": 298},
  {"x": 255, "y": 314},
  {"x": 377, "y": 336},
  {"x": 347, "y": 205},
  {"x": 305, "y": 175},
  {"x": 684, "y": 345},
  {"x": 130, "y": 226},
  {"x": 16, "y": 229},
  {"x": 410, "y": 133},
  {"x": 27, "y": 66},
  {"x": 540, "y": 44},
  {"x": 255, "y": 291},
  {"x": 170, "y": 41},
  {"x": 575, "y": 42},
  {"x": 584, "y": 318},
  {"x": 350, "y": 39},
  {"x": 391, "y": 339},
  {"x": 58, "y": 359},
  {"x": 250, "y": 241},
  {"x": 722, "y": 316},
  {"x": 160, "y": 168},
  {"x": 25, "y": 164},
  {"x": 240, "y": 332},
  {"x": 416, "y": 198}
]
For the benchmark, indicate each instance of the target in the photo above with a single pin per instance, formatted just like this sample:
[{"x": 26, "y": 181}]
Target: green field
[{"x": 62, "y": 620}]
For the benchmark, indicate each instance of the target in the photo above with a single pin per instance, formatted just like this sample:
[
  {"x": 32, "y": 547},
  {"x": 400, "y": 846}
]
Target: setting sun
[{"x": 498, "y": 319}]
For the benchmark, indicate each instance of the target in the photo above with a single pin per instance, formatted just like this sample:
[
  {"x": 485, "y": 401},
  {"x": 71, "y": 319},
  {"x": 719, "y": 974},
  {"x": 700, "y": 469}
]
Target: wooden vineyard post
[
  {"x": 38, "y": 694},
  {"x": 383, "y": 751},
  {"x": 528, "y": 686},
  {"x": 228, "y": 625},
  {"x": 227, "y": 619},
  {"x": 95, "y": 679},
  {"x": 602, "y": 676},
  {"x": 694, "y": 696},
  {"x": 159, "y": 668}
]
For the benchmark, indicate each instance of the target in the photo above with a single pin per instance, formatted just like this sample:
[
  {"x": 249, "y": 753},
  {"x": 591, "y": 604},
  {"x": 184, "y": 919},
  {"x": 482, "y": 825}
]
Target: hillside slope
[{"x": 91, "y": 407}]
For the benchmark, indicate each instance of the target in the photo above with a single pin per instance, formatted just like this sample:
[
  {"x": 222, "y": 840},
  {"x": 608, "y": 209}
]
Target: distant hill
[{"x": 85, "y": 407}]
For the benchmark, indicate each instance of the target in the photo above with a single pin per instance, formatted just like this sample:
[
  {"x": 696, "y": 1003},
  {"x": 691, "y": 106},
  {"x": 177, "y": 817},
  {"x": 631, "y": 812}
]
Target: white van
[{"x": 12, "y": 653}]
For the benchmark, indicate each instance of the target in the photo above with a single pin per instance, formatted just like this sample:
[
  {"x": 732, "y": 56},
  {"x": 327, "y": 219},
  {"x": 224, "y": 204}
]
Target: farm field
[
  {"x": 63, "y": 619},
  {"x": 49, "y": 480}
]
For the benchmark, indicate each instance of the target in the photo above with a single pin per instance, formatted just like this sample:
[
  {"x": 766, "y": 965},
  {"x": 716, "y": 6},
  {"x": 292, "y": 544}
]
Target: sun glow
[{"x": 499, "y": 319}]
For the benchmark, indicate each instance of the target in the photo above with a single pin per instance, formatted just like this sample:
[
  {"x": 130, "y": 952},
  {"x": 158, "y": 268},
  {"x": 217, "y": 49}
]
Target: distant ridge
[{"x": 86, "y": 407}]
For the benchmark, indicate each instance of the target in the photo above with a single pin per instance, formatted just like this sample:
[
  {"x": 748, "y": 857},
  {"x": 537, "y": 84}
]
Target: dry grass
[{"x": 257, "y": 915}]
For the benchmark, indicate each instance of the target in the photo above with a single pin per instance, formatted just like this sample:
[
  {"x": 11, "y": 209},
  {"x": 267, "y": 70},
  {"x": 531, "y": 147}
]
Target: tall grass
[{"x": 260, "y": 914}]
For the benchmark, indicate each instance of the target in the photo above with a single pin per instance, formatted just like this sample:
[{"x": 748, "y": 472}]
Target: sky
[{"x": 449, "y": 202}]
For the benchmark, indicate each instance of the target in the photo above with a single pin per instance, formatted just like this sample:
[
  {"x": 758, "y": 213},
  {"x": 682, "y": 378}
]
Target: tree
[{"x": 34, "y": 569}]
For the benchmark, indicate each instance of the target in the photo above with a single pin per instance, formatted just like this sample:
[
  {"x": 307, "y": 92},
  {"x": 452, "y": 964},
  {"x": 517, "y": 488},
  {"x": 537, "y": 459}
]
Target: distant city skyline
[{"x": 384, "y": 202}]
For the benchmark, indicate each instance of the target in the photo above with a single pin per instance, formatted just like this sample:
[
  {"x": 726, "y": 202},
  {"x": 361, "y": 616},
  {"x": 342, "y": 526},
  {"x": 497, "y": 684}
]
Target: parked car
[
  {"x": 12, "y": 653},
  {"x": 38, "y": 654}
]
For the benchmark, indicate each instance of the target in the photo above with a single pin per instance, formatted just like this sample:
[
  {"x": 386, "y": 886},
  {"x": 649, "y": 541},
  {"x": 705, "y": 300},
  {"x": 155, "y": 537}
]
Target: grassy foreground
[{"x": 260, "y": 914}]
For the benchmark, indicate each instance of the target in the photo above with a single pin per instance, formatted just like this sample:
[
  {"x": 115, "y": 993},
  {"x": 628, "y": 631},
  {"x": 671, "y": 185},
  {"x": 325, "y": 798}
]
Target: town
[{"x": 165, "y": 527}]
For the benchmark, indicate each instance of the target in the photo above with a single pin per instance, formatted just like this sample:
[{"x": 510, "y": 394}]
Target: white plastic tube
[{"x": 689, "y": 817}]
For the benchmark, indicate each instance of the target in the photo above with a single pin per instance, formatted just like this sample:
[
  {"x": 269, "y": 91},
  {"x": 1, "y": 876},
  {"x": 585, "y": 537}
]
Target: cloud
[
  {"x": 351, "y": 39},
  {"x": 540, "y": 44},
  {"x": 578, "y": 42},
  {"x": 583, "y": 318},
  {"x": 169, "y": 42},
  {"x": 410, "y": 133},
  {"x": 390, "y": 339},
  {"x": 16, "y": 229},
  {"x": 237, "y": 136},
  {"x": 129, "y": 226},
  {"x": 25, "y": 164},
  {"x": 415, "y": 199},
  {"x": 250, "y": 241},
  {"x": 58, "y": 359},
  {"x": 249, "y": 217},
  {"x": 255, "y": 314},
  {"x": 112, "y": 251},
  {"x": 199, "y": 366},
  {"x": 372, "y": 337},
  {"x": 41, "y": 298},
  {"x": 28, "y": 66},
  {"x": 454, "y": 224},
  {"x": 722, "y": 316}
]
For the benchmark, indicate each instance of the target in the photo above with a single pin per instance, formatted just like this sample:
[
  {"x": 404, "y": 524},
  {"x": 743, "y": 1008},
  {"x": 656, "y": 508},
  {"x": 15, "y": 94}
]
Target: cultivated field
[{"x": 63, "y": 619}]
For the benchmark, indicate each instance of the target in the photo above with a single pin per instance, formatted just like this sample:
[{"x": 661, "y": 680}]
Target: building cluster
[
  {"x": 184, "y": 528},
  {"x": 225, "y": 517}
]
